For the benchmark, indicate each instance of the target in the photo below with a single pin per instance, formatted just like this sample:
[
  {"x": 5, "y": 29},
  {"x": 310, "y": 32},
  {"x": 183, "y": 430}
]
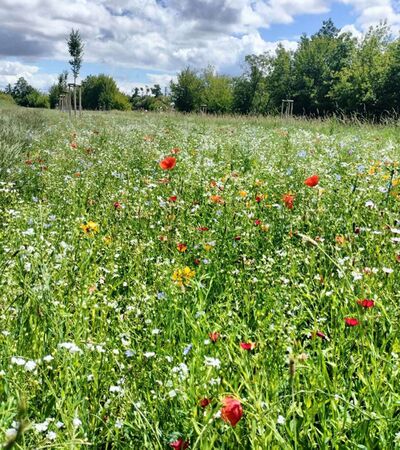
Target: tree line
[{"x": 330, "y": 72}]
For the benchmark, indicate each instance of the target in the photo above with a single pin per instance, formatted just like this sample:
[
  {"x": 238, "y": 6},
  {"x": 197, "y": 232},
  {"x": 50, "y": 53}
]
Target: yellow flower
[
  {"x": 183, "y": 276},
  {"x": 90, "y": 227},
  {"x": 243, "y": 193},
  {"x": 396, "y": 182},
  {"x": 107, "y": 240}
]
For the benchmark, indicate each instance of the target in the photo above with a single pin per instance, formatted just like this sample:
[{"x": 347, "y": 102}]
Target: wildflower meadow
[{"x": 172, "y": 281}]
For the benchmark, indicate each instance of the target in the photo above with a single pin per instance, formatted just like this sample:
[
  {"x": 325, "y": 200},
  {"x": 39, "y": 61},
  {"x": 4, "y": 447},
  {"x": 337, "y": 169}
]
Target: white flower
[
  {"x": 212, "y": 362},
  {"x": 30, "y": 366},
  {"x": 29, "y": 232},
  {"x": 70, "y": 346},
  {"x": 59, "y": 424},
  {"x": 387, "y": 270},
  {"x": 18, "y": 361},
  {"x": 27, "y": 267},
  {"x": 77, "y": 422},
  {"x": 119, "y": 423},
  {"x": 149, "y": 354},
  {"x": 281, "y": 420},
  {"x": 172, "y": 393},
  {"x": 48, "y": 358},
  {"x": 116, "y": 389},
  {"x": 41, "y": 427},
  {"x": 51, "y": 436},
  {"x": 370, "y": 204},
  {"x": 11, "y": 434}
]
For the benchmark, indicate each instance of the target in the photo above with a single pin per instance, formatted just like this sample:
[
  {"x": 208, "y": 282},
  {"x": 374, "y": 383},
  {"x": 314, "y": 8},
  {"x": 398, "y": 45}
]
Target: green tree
[
  {"x": 57, "y": 89},
  {"x": 187, "y": 92},
  {"x": 21, "y": 91},
  {"x": 156, "y": 90},
  {"x": 75, "y": 48},
  {"x": 101, "y": 92},
  {"x": 217, "y": 92},
  {"x": 360, "y": 85},
  {"x": 317, "y": 62}
]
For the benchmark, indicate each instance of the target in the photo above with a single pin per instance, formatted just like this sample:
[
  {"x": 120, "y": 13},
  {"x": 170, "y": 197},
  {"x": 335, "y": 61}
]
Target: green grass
[{"x": 93, "y": 326}]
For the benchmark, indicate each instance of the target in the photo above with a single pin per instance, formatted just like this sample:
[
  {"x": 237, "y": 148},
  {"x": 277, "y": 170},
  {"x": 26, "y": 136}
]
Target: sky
[{"x": 143, "y": 42}]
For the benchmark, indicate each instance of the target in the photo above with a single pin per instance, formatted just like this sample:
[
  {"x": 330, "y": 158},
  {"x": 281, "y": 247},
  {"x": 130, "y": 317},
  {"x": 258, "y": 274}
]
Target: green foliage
[
  {"x": 188, "y": 91},
  {"x": 57, "y": 89},
  {"x": 217, "y": 92},
  {"x": 75, "y": 49},
  {"x": 101, "y": 92},
  {"x": 26, "y": 95},
  {"x": 6, "y": 100}
]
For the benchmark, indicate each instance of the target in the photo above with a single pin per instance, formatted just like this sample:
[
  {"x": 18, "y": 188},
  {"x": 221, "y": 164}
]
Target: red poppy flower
[
  {"x": 204, "y": 402},
  {"x": 232, "y": 410},
  {"x": 168, "y": 163},
  {"x": 288, "y": 200},
  {"x": 214, "y": 336},
  {"x": 179, "y": 444},
  {"x": 202, "y": 229},
  {"x": 248, "y": 346},
  {"x": 312, "y": 181},
  {"x": 237, "y": 238},
  {"x": 366, "y": 303},
  {"x": 173, "y": 198},
  {"x": 257, "y": 222},
  {"x": 117, "y": 205},
  {"x": 351, "y": 321},
  {"x": 259, "y": 198}
]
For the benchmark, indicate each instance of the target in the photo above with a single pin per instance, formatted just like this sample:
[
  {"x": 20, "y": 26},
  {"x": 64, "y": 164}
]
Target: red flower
[
  {"x": 312, "y": 181},
  {"x": 179, "y": 444},
  {"x": 74, "y": 145},
  {"x": 321, "y": 335},
  {"x": 237, "y": 238},
  {"x": 204, "y": 402},
  {"x": 366, "y": 303},
  {"x": 173, "y": 198},
  {"x": 248, "y": 346},
  {"x": 257, "y": 222},
  {"x": 259, "y": 198},
  {"x": 117, "y": 205},
  {"x": 288, "y": 200},
  {"x": 232, "y": 410},
  {"x": 168, "y": 163},
  {"x": 202, "y": 229},
  {"x": 351, "y": 321},
  {"x": 214, "y": 336}
]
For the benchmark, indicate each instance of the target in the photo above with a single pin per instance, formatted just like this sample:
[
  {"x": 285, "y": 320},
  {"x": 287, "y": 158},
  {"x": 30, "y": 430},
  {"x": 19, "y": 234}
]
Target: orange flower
[
  {"x": 168, "y": 163},
  {"x": 217, "y": 199},
  {"x": 181, "y": 247}
]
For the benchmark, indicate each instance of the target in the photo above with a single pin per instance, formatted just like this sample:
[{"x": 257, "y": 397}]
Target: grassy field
[{"x": 217, "y": 301}]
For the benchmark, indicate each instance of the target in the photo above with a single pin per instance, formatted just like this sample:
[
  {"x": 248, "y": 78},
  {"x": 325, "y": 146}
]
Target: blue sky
[{"x": 143, "y": 42}]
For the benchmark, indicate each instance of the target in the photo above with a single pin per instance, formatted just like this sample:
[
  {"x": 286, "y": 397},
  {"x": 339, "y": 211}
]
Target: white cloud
[
  {"x": 372, "y": 12},
  {"x": 10, "y": 71}
]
